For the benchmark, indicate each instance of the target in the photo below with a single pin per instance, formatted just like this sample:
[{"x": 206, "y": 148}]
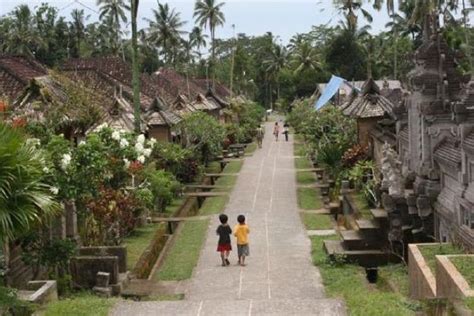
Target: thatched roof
[{"x": 370, "y": 103}]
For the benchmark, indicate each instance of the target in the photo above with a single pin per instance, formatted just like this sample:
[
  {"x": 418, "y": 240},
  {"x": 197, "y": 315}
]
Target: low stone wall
[
  {"x": 422, "y": 282},
  {"x": 40, "y": 292},
  {"x": 115, "y": 251},
  {"x": 84, "y": 270},
  {"x": 449, "y": 282},
  {"x": 147, "y": 260}
]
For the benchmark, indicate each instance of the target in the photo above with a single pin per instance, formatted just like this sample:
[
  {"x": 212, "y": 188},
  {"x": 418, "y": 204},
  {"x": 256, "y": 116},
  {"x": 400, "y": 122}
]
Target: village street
[{"x": 279, "y": 278}]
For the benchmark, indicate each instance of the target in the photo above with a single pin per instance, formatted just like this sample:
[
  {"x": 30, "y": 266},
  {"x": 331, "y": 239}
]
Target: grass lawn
[
  {"x": 251, "y": 148},
  {"x": 83, "y": 304},
  {"x": 302, "y": 163},
  {"x": 233, "y": 166},
  {"x": 175, "y": 205},
  {"x": 430, "y": 251},
  {"x": 397, "y": 275},
  {"x": 362, "y": 206},
  {"x": 309, "y": 199},
  {"x": 348, "y": 282},
  {"x": 299, "y": 149},
  {"x": 183, "y": 256},
  {"x": 465, "y": 266},
  {"x": 137, "y": 242},
  {"x": 469, "y": 303},
  {"x": 317, "y": 221},
  {"x": 305, "y": 177},
  {"x": 298, "y": 137}
]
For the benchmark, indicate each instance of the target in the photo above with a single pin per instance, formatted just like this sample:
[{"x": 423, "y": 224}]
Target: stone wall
[
  {"x": 449, "y": 282},
  {"x": 115, "y": 251},
  {"x": 422, "y": 281},
  {"x": 364, "y": 126},
  {"x": 147, "y": 260},
  {"x": 84, "y": 270}
]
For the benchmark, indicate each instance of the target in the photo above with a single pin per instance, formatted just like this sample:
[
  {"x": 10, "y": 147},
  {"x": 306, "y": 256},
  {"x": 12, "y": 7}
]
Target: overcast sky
[{"x": 253, "y": 17}]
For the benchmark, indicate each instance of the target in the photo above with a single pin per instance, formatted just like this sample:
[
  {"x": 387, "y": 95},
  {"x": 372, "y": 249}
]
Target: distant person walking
[
  {"x": 241, "y": 231},
  {"x": 276, "y": 130},
  {"x": 286, "y": 130},
  {"x": 223, "y": 245},
  {"x": 260, "y": 134}
]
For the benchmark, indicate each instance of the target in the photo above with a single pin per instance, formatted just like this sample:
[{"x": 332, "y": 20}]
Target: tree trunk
[
  {"x": 135, "y": 74},
  {"x": 213, "y": 57}
]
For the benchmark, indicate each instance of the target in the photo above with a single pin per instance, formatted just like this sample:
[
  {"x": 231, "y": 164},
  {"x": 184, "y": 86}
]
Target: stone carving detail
[{"x": 391, "y": 171}]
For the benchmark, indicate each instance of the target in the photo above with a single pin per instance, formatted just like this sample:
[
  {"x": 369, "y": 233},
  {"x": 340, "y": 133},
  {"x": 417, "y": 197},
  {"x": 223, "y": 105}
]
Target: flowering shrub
[
  {"x": 354, "y": 154},
  {"x": 177, "y": 160},
  {"x": 115, "y": 213}
]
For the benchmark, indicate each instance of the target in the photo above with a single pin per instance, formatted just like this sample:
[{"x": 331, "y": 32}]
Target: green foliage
[
  {"x": 11, "y": 305},
  {"x": 138, "y": 241},
  {"x": 465, "y": 266},
  {"x": 363, "y": 177},
  {"x": 309, "y": 199},
  {"x": 203, "y": 134},
  {"x": 182, "y": 258},
  {"x": 83, "y": 304},
  {"x": 429, "y": 252},
  {"x": 164, "y": 187},
  {"x": 177, "y": 160},
  {"x": 25, "y": 199}
]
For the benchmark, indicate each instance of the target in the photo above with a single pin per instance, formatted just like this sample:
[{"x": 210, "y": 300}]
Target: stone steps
[
  {"x": 365, "y": 257},
  {"x": 293, "y": 306}
]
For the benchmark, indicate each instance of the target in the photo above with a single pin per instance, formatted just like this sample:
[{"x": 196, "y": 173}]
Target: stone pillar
[{"x": 71, "y": 219}]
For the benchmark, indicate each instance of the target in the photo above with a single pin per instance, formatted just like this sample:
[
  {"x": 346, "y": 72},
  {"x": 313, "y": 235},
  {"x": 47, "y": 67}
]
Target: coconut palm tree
[
  {"x": 135, "y": 66},
  {"x": 208, "y": 13},
  {"x": 197, "y": 39},
  {"x": 77, "y": 29},
  {"x": 349, "y": 8},
  {"x": 305, "y": 57},
  {"x": 25, "y": 200},
  {"x": 116, "y": 11},
  {"x": 20, "y": 33},
  {"x": 275, "y": 62},
  {"x": 165, "y": 30}
]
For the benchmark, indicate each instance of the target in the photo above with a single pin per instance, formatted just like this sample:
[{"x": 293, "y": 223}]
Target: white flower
[
  {"x": 45, "y": 169},
  {"x": 147, "y": 152},
  {"x": 116, "y": 135},
  {"x": 152, "y": 142},
  {"x": 139, "y": 148},
  {"x": 123, "y": 143},
  {"x": 82, "y": 143},
  {"x": 101, "y": 127},
  {"x": 141, "y": 139},
  {"x": 141, "y": 159},
  {"x": 65, "y": 161},
  {"x": 54, "y": 190},
  {"x": 34, "y": 142},
  {"x": 126, "y": 162}
]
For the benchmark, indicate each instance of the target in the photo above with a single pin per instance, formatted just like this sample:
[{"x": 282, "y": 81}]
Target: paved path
[{"x": 279, "y": 278}]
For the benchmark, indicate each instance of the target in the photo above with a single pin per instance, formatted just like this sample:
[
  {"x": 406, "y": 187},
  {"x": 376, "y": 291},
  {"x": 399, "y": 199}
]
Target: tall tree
[
  {"x": 276, "y": 61},
  {"x": 135, "y": 66},
  {"x": 350, "y": 8},
  {"x": 77, "y": 31},
  {"x": 116, "y": 11},
  {"x": 208, "y": 13},
  {"x": 165, "y": 30}
]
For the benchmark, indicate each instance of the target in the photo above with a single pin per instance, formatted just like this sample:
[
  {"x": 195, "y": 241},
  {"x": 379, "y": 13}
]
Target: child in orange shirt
[{"x": 241, "y": 231}]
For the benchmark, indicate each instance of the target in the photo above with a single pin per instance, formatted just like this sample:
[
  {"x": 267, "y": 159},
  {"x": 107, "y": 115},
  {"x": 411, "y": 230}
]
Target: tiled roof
[
  {"x": 219, "y": 89},
  {"x": 203, "y": 104},
  {"x": 15, "y": 74},
  {"x": 369, "y": 104},
  {"x": 448, "y": 152},
  {"x": 176, "y": 84}
]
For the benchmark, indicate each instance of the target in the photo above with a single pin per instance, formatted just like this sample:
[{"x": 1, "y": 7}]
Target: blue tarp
[{"x": 331, "y": 89}]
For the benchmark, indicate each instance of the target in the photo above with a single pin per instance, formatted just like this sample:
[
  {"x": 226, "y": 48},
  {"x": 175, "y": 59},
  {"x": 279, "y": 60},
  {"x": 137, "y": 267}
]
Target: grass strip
[
  {"x": 183, "y": 256},
  {"x": 465, "y": 266},
  {"x": 317, "y": 221},
  {"x": 397, "y": 276},
  {"x": 305, "y": 177},
  {"x": 309, "y": 199},
  {"x": 250, "y": 149},
  {"x": 138, "y": 241},
  {"x": 430, "y": 251},
  {"x": 348, "y": 282},
  {"x": 298, "y": 149},
  {"x": 302, "y": 163},
  {"x": 362, "y": 205},
  {"x": 83, "y": 304}
]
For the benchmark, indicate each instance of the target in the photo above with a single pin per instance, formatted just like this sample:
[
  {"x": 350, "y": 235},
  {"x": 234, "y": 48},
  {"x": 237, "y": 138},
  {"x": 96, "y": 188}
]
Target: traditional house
[
  {"x": 112, "y": 78},
  {"x": 201, "y": 103},
  {"x": 373, "y": 113}
]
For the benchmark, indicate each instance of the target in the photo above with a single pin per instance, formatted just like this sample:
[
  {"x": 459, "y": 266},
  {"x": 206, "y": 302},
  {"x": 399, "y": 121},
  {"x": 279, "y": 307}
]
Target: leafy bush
[
  {"x": 203, "y": 135},
  {"x": 11, "y": 305},
  {"x": 164, "y": 187},
  {"x": 176, "y": 160},
  {"x": 112, "y": 216},
  {"x": 363, "y": 177},
  {"x": 354, "y": 154}
]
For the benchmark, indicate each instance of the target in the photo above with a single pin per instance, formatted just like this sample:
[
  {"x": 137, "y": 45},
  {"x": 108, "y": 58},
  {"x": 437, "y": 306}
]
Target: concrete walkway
[{"x": 279, "y": 278}]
